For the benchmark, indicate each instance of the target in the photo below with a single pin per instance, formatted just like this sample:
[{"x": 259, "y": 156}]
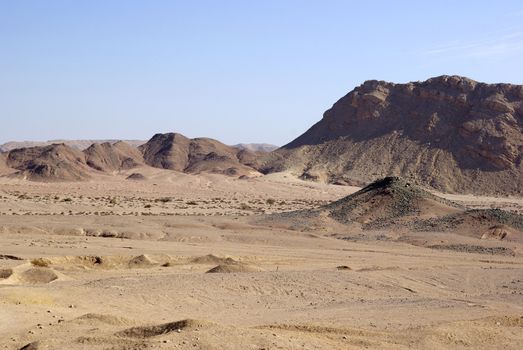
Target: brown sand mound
[
  {"x": 109, "y": 262},
  {"x": 110, "y": 157},
  {"x": 212, "y": 259},
  {"x": 165, "y": 328},
  {"x": 449, "y": 132},
  {"x": 142, "y": 261},
  {"x": 234, "y": 268},
  {"x": 56, "y": 162},
  {"x": 31, "y": 275},
  {"x": 136, "y": 177},
  {"x": 177, "y": 152}
]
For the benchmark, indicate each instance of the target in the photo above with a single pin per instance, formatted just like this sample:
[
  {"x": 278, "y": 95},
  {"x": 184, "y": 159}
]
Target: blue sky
[{"x": 237, "y": 71}]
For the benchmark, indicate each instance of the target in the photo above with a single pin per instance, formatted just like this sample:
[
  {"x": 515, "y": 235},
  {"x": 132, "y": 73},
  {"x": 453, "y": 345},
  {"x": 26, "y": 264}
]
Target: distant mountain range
[
  {"x": 84, "y": 144},
  {"x": 77, "y": 144},
  {"x": 256, "y": 147},
  {"x": 66, "y": 161}
]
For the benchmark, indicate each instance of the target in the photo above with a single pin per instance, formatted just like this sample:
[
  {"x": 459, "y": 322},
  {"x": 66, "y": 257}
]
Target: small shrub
[{"x": 271, "y": 201}]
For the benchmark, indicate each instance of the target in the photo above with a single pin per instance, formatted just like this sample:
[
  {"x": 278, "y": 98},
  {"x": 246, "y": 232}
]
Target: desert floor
[{"x": 119, "y": 264}]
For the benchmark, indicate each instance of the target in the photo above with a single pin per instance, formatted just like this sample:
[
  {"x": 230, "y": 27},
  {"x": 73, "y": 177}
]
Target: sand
[{"x": 118, "y": 264}]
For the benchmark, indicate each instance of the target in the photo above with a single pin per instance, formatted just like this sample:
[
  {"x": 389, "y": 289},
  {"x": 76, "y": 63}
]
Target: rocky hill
[
  {"x": 110, "y": 157},
  {"x": 56, "y": 162},
  {"x": 389, "y": 199},
  {"x": 449, "y": 132},
  {"x": 393, "y": 204},
  {"x": 177, "y": 152}
]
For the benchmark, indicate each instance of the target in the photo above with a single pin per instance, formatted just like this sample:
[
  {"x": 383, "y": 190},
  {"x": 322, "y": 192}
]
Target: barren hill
[
  {"x": 389, "y": 198},
  {"x": 177, "y": 152},
  {"x": 53, "y": 162},
  {"x": 449, "y": 132},
  {"x": 109, "y": 157},
  {"x": 395, "y": 203}
]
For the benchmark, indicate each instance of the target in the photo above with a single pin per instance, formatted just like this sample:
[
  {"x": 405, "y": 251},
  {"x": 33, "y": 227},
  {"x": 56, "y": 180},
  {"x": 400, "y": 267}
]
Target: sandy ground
[{"x": 119, "y": 264}]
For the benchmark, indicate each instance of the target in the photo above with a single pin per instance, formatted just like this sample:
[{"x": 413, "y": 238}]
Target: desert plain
[{"x": 185, "y": 261}]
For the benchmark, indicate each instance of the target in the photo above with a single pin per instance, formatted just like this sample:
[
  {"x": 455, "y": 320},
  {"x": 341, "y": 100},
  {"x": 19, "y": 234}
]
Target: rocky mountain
[
  {"x": 77, "y": 144},
  {"x": 56, "y": 162},
  {"x": 449, "y": 132},
  {"x": 110, "y": 157},
  {"x": 177, "y": 152}
]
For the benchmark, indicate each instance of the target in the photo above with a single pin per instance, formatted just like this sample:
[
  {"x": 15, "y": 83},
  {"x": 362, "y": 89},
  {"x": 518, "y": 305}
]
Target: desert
[
  {"x": 261, "y": 175},
  {"x": 212, "y": 260}
]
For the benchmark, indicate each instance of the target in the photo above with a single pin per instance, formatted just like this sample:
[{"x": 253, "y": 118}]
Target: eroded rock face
[{"x": 445, "y": 132}]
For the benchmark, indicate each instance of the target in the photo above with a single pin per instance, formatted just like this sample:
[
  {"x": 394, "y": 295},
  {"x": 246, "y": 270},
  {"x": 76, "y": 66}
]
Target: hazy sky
[{"x": 237, "y": 71}]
